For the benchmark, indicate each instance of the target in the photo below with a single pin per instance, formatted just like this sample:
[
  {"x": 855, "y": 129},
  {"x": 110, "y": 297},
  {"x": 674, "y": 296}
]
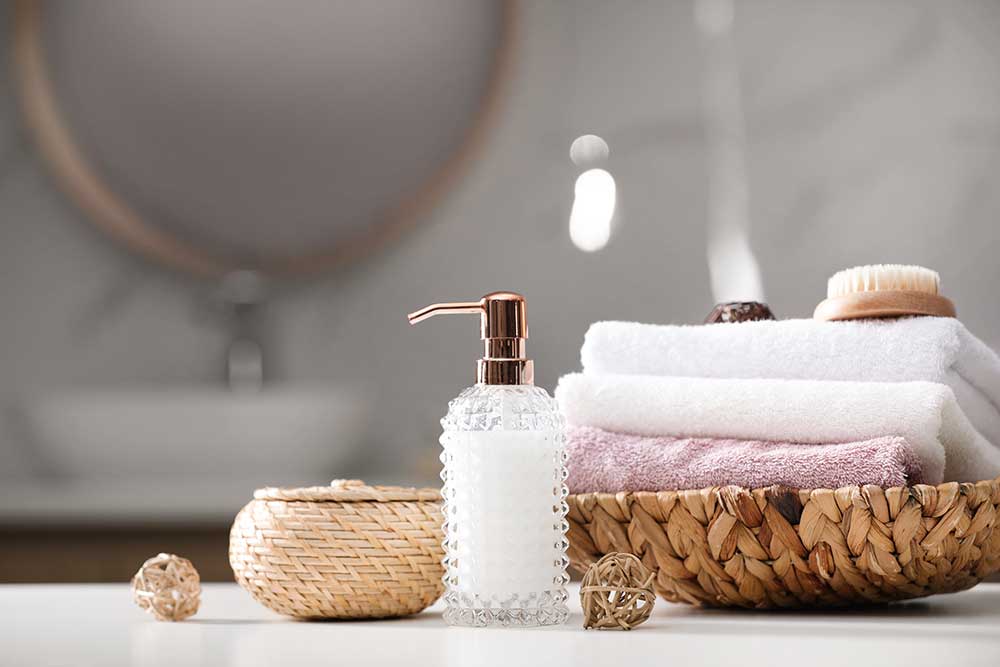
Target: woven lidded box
[{"x": 341, "y": 551}]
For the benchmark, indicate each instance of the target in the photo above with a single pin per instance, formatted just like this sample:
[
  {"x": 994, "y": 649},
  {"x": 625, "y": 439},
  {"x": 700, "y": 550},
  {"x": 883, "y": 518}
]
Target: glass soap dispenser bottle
[{"x": 504, "y": 482}]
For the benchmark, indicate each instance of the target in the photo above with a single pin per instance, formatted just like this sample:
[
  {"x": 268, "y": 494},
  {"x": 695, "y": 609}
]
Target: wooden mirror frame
[{"x": 113, "y": 215}]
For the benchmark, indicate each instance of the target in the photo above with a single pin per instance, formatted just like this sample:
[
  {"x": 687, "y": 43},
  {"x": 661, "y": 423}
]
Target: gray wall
[{"x": 874, "y": 136}]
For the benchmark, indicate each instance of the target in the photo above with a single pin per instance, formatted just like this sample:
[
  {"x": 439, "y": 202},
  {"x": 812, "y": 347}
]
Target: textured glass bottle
[
  {"x": 504, "y": 507},
  {"x": 504, "y": 481}
]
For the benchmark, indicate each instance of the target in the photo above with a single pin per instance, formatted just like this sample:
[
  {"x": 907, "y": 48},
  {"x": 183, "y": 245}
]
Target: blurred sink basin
[{"x": 278, "y": 433}]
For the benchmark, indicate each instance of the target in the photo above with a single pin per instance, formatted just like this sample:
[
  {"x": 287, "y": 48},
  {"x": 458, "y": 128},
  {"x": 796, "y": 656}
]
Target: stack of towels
[{"x": 802, "y": 403}]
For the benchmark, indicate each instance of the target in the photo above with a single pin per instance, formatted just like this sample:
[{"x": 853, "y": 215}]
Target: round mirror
[{"x": 239, "y": 134}]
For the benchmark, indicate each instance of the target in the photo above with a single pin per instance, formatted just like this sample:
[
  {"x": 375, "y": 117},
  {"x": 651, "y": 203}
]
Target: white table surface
[{"x": 98, "y": 625}]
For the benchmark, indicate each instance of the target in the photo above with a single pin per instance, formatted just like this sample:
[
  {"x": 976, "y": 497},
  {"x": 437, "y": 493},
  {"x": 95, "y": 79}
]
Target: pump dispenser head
[{"x": 504, "y": 328}]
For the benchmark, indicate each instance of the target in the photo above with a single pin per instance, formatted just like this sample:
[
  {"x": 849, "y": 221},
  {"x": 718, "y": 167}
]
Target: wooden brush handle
[{"x": 860, "y": 305}]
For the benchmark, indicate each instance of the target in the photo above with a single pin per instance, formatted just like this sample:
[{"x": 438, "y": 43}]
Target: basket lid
[{"x": 348, "y": 491}]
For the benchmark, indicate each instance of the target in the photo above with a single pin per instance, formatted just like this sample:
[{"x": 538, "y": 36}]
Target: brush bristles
[{"x": 883, "y": 278}]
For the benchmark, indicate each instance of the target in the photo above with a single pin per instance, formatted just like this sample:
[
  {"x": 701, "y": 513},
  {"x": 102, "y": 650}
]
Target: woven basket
[
  {"x": 781, "y": 547},
  {"x": 340, "y": 551}
]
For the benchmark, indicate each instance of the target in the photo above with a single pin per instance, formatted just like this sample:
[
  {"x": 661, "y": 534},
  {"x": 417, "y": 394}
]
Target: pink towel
[{"x": 603, "y": 461}]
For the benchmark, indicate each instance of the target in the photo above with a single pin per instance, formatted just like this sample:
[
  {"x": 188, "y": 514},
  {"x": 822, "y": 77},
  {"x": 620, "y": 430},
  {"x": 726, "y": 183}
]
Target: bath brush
[{"x": 883, "y": 290}]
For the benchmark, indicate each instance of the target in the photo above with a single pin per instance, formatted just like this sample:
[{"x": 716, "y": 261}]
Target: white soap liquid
[{"x": 504, "y": 518}]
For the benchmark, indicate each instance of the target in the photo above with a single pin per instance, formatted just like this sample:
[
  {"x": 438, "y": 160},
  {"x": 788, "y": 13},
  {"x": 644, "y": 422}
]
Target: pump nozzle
[
  {"x": 462, "y": 307},
  {"x": 504, "y": 328}
]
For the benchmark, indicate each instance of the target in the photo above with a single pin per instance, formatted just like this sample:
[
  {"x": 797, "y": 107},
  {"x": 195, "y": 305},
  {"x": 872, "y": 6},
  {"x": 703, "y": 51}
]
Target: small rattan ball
[
  {"x": 617, "y": 593},
  {"x": 168, "y": 587},
  {"x": 739, "y": 311}
]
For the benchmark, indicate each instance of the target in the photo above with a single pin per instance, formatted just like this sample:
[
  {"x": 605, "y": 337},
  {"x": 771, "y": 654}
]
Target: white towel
[
  {"x": 807, "y": 411},
  {"x": 932, "y": 349}
]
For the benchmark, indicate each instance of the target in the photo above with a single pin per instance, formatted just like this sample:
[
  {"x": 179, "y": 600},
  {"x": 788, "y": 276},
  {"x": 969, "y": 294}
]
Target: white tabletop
[{"x": 98, "y": 625}]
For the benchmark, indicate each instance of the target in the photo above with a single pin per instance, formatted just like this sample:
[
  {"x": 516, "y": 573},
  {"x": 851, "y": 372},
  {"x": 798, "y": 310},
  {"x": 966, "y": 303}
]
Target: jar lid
[{"x": 349, "y": 491}]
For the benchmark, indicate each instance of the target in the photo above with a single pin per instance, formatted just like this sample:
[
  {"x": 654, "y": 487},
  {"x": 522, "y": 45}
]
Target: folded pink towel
[{"x": 603, "y": 461}]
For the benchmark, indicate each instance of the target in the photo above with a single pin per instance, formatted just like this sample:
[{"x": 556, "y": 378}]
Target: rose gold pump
[{"x": 504, "y": 329}]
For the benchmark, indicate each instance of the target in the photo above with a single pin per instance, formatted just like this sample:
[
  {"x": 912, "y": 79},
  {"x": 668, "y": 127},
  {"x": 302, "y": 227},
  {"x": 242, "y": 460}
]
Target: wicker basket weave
[
  {"x": 340, "y": 551},
  {"x": 781, "y": 547}
]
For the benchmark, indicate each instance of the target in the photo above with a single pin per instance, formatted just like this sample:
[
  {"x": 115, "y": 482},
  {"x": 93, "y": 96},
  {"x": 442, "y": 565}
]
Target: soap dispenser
[{"x": 504, "y": 481}]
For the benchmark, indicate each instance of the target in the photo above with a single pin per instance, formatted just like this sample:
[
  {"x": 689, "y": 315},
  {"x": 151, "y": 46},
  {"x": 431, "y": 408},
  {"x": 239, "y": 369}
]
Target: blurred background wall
[{"x": 872, "y": 135}]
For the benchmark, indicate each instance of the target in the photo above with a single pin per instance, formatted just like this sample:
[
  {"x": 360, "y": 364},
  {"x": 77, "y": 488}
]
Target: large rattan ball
[
  {"x": 616, "y": 593},
  {"x": 168, "y": 587}
]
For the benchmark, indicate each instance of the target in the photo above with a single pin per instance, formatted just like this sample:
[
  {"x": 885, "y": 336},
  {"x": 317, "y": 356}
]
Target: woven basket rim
[
  {"x": 348, "y": 491},
  {"x": 775, "y": 489}
]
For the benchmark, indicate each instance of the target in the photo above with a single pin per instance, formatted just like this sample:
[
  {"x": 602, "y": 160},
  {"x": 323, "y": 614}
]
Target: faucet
[{"x": 243, "y": 292}]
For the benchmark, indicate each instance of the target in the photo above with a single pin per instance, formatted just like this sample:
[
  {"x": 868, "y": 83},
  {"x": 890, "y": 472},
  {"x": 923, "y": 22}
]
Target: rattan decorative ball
[
  {"x": 739, "y": 311},
  {"x": 617, "y": 593},
  {"x": 168, "y": 587}
]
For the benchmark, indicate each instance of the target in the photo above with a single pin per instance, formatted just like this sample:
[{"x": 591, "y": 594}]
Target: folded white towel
[
  {"x": 807, "y": 411},
  {"x": 933, "y": 349}
]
